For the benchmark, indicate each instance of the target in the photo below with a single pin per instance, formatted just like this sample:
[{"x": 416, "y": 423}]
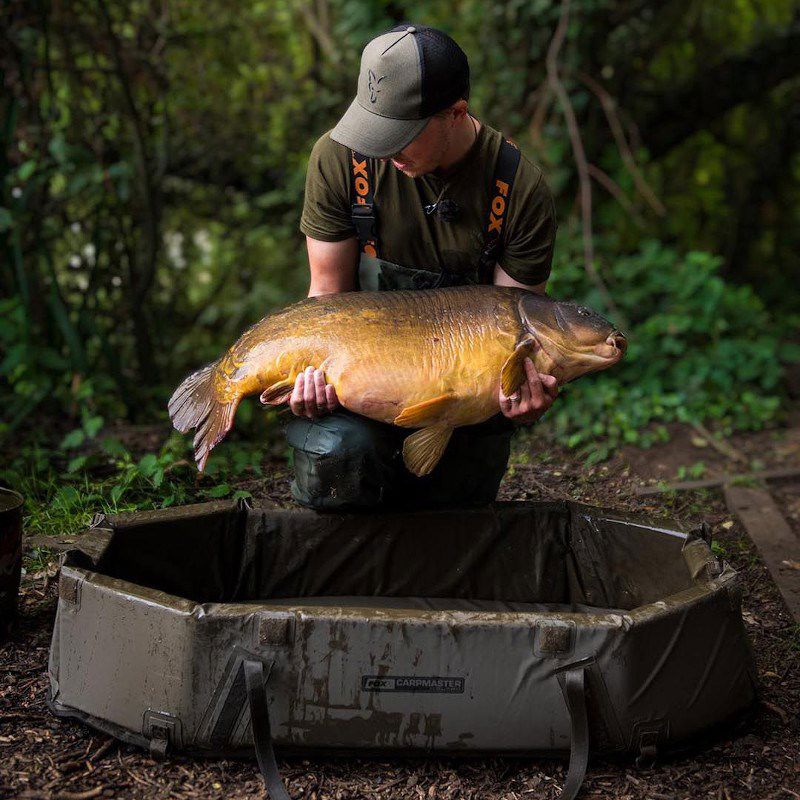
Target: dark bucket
[{"x": 10, "y": 556}]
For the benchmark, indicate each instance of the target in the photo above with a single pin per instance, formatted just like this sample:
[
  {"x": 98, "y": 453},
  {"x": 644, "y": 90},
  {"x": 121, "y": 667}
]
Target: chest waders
[{"x": 344, "y": 460}]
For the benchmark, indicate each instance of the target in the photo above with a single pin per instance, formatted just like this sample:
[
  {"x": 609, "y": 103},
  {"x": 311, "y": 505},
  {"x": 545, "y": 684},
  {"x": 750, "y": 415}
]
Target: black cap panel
[{"x": 444, "y": 65}]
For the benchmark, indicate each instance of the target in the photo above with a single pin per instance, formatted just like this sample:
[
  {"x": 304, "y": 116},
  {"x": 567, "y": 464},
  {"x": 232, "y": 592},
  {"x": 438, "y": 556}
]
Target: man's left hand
[{"x": 533, "y": 397}]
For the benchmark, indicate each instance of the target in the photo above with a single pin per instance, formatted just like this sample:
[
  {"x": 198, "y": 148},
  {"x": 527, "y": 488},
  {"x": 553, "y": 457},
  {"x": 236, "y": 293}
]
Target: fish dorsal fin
[
  {"x": 423, "y": 448},
  {"x": 428, "y": 412},
  {"x": 279, "y": 392},
  {"x": 513, "y": 373}
]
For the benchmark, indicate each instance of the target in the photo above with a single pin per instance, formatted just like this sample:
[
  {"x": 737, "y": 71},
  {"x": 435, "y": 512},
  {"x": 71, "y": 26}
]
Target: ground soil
[{"x": 756, "y": 757}]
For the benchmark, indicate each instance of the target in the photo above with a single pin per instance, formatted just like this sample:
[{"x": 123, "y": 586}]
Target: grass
[
  {"x": 66, "y": 486},
  {"x": 744, "y": 552},
  {"x": 38, "y": 559},
  {"x": 793, "y": 642}
]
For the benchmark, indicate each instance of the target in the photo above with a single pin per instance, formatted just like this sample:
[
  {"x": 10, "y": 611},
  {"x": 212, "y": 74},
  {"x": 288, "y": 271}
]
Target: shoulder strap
[
  {"x": 362, "y": 203},
  {"x": 503, "y": 181}
]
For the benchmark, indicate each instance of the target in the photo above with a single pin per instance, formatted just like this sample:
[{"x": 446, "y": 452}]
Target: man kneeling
[{"x": 410, "y": 191}]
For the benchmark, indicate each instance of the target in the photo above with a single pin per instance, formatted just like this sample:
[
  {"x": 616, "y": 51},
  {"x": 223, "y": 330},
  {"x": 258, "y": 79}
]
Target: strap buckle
[
  {"x": 647, "y": 736},
  {"x": 648, "y": 749},
  {"x": 164, "y": 732},
  {"x": 363, "y": 218}
]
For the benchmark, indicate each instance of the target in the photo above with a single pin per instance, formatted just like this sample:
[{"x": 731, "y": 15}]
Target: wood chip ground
[{"x": 43, "y": 758}]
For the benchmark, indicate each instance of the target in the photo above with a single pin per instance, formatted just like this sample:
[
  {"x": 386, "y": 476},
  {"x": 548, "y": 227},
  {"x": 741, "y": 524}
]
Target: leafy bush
[
  {"x": 89, "y": 472},
  {"x": 699, "y": 349}
]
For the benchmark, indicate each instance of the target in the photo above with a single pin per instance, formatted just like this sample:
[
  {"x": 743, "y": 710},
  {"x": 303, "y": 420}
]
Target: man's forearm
[
  {"x": 317, "y": 289},
  {"x": 502, "y": 278}
]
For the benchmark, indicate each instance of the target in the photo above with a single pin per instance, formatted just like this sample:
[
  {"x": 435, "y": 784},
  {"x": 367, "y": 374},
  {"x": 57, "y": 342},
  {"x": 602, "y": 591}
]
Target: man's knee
[
  {"x": 472, "y": 467},
  {"x": 342, "y": 461}
]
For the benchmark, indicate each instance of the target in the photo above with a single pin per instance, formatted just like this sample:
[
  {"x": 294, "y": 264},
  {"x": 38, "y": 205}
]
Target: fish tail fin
[{"x": 196, "y": 404}]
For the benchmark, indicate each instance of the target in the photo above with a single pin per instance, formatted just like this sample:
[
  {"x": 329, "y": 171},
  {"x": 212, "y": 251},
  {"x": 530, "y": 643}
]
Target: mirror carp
[{"x": 426, "y": 359}]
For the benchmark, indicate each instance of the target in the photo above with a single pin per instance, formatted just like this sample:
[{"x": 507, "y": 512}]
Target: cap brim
[{"x": 373, "y": 135}]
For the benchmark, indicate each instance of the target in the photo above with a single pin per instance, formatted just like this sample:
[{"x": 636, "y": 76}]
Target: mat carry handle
[
  {"x": 255, "y": 683},
  {"x": 573, "y": 687}
]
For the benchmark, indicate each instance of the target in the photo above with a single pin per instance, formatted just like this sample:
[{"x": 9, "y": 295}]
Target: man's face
[{"x": 425, "y": 152}]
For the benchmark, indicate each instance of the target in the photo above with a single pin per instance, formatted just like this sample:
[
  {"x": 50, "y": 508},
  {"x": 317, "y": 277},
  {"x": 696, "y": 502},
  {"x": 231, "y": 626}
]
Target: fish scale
[{"x": 428, "y": 359}]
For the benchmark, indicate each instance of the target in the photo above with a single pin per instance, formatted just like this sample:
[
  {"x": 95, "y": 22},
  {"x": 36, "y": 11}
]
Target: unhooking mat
[{"x": 519, "y": 628}]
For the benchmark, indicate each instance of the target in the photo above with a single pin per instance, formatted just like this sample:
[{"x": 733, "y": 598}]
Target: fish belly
[
  {"x": 387, "y": 351},
  {"x": 381, "y": 382}
]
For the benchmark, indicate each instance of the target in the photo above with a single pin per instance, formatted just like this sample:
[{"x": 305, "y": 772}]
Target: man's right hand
[{"x": 311, "y": 396}]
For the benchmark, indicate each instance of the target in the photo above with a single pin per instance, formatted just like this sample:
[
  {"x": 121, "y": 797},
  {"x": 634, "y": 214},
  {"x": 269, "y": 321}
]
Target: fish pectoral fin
[
  {"x": 423, "y": 448},
  {"x": 426, "y": 413},
  {"x": 513, "y": 374},
  {"x": 278, "y": 393}
]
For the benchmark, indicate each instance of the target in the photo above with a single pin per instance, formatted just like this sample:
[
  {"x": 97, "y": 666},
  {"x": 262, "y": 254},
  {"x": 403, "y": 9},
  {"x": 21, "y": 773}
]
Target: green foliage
[
  {"x": 718, "y": 549},
  {"x": 793, "y": 647},
  {"x": 691, "y": 471},
  {"x": 38, "y": 559},
  {"x": 63, "y": 491},
  {"x": 699, "y": 349},
  {"x": 152, "y": 179}
]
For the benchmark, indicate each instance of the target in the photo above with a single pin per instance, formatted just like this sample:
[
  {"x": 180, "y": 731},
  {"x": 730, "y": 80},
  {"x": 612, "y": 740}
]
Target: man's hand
[
  {"x": 311, "y": 396},
  {"x": 532, "y": 398}
]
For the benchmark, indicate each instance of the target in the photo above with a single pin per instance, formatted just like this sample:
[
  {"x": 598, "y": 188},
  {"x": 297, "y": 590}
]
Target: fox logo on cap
[{"x": 372, "y": 84}]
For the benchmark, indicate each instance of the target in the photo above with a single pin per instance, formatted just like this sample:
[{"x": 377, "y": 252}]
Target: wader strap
[
  {"x": 262, "y": 734},
  {"x": 573, "y": 687},
  {"x": 362, "y": 203},
  {"x": 503, "y": 181}
]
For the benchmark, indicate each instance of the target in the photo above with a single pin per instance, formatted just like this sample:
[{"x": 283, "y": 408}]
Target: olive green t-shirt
[{"x": 412, "y": 238}]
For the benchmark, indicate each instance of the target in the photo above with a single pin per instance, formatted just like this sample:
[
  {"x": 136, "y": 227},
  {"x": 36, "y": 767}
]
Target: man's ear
[{"x": 459, "y": 109}]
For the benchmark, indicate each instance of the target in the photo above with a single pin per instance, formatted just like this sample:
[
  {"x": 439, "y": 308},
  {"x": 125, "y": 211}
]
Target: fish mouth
[
  {"x": 613, "y": 348},
  {"x": 619, "y": 340},
  {"x": 592, "y": 358}
]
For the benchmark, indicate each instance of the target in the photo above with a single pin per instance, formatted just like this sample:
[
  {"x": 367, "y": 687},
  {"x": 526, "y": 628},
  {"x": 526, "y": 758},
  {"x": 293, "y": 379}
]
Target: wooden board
[
  {"x": 59, "y": 543},
  {"x": 773, "y": 537},
  {"x": 719, "y": 480}
]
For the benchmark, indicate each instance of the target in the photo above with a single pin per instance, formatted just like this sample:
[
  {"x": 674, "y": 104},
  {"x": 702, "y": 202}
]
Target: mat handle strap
[
  {"x": 262, "y": 732},
  {"x": 573, "y": 687}
]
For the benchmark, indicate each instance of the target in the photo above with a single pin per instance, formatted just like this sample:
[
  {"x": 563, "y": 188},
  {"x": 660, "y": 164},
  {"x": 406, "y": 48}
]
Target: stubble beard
[{"x": 435, "y": 161}]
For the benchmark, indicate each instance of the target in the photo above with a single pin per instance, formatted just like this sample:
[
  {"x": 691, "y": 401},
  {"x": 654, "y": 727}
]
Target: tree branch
[
  {"x": 614, "y": 189},
  {"x": 579, "y": 154},
  {"x": 609, "y": 108},
  {"x": 142, "y": 279},
  {"x": 317, "y": 27}
]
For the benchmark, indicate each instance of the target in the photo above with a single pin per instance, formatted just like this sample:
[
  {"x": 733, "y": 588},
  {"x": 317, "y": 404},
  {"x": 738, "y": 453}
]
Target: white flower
[
  {"x": 174, "y": 243},
  {"x": 16, "y": 192},
  {"x": 75, "y": 227},
  {"x": 75, "y": 261},
  {"x": 202, "y": 241}
]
